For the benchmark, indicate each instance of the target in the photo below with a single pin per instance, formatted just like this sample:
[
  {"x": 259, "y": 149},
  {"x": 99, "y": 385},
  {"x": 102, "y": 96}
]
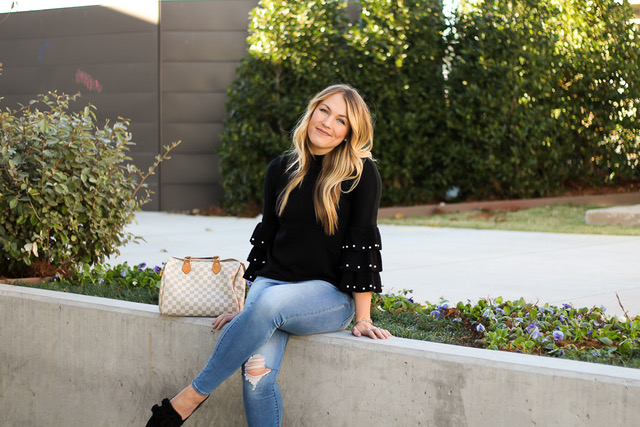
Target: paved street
[{"x": 456, "y": 264}]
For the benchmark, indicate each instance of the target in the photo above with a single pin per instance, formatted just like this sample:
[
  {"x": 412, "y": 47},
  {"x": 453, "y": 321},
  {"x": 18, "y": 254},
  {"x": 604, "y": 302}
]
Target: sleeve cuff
[
  {"x": 258, "y": 256},
  {"x": 361, "y": 262}
]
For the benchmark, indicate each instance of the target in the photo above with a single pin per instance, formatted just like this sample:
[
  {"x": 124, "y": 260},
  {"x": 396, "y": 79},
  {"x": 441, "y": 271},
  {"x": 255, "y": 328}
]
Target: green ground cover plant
[
  {"x": 547, "y": 219},
  {"x": 138, "y": 283},
  {"x": 585, "y": 334}
]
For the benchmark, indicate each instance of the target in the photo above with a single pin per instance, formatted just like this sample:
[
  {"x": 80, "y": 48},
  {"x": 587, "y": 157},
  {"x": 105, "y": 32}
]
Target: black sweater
[{"x": 294, "y": 247}]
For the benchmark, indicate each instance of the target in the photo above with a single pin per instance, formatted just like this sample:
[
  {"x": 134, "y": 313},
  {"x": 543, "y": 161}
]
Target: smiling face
[{"x": 329, "y": 125}]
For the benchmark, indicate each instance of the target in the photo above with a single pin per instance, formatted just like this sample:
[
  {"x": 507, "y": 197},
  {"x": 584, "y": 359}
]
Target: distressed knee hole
[{"x": 255, "y": 369}]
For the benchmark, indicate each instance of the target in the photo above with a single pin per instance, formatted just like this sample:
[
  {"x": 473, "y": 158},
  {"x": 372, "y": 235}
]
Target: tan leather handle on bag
[
  {"x": 186, "y": 266},
  {"x": 216, "y": 265}
]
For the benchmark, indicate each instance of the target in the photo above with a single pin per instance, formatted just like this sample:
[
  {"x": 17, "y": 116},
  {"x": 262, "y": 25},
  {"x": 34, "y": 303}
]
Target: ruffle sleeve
[
  {"x": 258, "y": 256},
  {"x": 361, "y": 262}
]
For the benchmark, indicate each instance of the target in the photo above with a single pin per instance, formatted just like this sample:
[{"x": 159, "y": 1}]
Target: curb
[
  {"x": 614, "y": 199},
  {"x": 628, "y": 216}
]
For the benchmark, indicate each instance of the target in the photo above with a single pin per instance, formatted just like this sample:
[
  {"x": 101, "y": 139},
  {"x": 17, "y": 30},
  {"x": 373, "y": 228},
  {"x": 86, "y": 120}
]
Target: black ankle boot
[{"x": 164, "y": 416}]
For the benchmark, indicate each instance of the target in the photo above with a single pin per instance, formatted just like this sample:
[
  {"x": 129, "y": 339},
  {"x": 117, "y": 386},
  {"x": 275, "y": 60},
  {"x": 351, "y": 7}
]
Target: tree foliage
[
  {"x": 543, "y": 93},
  {"x": 514, "y": 98},
  {"x": 299, "y": 48},
  {"x": 400, "y": 49},
  {"x": 293, "y": 53}
]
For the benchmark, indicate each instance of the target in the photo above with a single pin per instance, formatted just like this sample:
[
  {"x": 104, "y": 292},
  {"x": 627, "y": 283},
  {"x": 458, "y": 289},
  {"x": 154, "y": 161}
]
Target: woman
[{"x": 315, "y": 259}]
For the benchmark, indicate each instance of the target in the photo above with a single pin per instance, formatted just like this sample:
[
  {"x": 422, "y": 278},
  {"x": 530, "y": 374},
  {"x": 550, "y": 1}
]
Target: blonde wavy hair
[{"x": 344, "y": 162}]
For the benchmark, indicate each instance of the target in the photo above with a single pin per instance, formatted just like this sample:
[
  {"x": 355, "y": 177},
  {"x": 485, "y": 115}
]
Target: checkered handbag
[{"x": 206, "y": 287}]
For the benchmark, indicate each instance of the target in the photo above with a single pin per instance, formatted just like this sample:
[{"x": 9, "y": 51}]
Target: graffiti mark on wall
[
  {"x": 41, "y": 49},
  {"x": 85, "y": 79}
]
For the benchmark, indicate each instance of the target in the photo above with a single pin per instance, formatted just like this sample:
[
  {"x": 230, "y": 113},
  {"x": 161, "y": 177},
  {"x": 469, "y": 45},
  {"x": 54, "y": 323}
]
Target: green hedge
[
  {"x": 400, "y": 49},
  {"x": 536, "y": 97},
  {"x": 538, "y": 94},
  {"x": 291, "y": 45}
]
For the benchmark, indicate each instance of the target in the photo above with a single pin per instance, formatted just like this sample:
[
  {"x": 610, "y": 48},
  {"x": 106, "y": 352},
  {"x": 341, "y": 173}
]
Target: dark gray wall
[
  {"x": 202, "y": 43},
  {"x": 169, "y": 77},
  {"x": 108, "y": 56}
]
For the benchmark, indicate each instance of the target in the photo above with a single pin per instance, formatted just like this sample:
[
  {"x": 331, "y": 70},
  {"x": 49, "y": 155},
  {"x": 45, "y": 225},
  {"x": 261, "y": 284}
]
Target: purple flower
[
  {"x": 435, "y": 314},
  {"x": 563, "y": 320},
  {"x": 560, "y": 352},
  {"x": 443, "y": 307},
  {"x": 480, "y": 328},
  {"x": 603, "y": 308},
  {"x": 123, "y": 273},
  {"x": 499, "y": 310},
  {"x": 533, "y": 325},
  {"x": 100, "y": 281},
  {"x": 535, "y": 333},
  {"x": 487, "y": 313},
  {"x": 141, "y": 266},
  {"x": 558, "y": 336},
  {"x": 157, "y": 269},
  {"x": 566, "y": 306},
  {"x": 410, "y": 299}
]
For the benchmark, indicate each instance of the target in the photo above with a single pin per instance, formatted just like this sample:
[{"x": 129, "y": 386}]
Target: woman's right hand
[{"x": 222, "y": 320}]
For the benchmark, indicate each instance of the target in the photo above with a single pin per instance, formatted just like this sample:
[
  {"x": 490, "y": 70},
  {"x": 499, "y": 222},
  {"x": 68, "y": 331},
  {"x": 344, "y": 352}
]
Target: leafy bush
[
  {"x": 543, "y": 95},
  {"x": 536, "y": 96},
  {"x": 598, "y": 95},
  {"x": 501, "y": 76},
  {"x": 66, "y": 191},
  {"x": 299, "y": 47},
  {"x": 397, "y": 63},
  {"x": 292, "y": 44}
]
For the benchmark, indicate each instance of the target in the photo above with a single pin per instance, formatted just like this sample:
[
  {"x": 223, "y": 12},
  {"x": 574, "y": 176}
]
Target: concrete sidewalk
[{"x": 455, "y": 264}]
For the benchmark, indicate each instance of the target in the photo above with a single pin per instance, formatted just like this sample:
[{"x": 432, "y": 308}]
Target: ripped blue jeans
[{"x": 256, "y": 339}]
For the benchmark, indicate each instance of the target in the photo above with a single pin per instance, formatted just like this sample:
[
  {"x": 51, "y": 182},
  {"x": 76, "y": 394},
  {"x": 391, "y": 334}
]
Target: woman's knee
[
  {"x": 267, "y": 307},
  {"x": 255, "y": 370}
]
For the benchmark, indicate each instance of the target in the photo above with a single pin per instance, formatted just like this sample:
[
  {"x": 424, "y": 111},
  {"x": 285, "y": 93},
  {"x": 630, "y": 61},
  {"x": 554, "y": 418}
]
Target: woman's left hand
[
  {"x": 222, "y": 320},
  {"x": 369, "y": 330}
]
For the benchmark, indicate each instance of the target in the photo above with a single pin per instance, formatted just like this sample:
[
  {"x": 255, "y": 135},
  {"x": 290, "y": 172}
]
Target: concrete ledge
[
  {"x": 76, "y": 361},
  {"x": 619, "y": 215}
]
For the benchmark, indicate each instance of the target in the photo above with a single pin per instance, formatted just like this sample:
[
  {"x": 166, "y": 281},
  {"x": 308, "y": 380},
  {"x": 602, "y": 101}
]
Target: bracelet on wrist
[{"x": 365, "y": 320}]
